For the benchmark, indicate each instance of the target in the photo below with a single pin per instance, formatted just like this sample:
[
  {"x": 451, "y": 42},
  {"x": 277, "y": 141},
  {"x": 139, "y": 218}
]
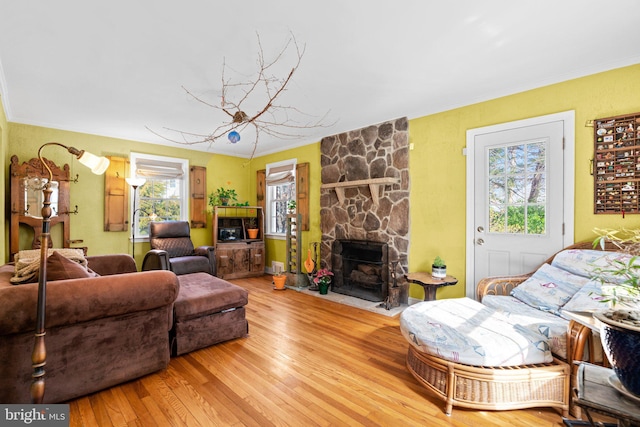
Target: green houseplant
[
  {"x": 438, "y": 268},
  {"x": 252, "y": 227},
  {"x": 323, "y": 279},
  {"x": 620, "y": 324},
  {"x": 223, "y": 197}
]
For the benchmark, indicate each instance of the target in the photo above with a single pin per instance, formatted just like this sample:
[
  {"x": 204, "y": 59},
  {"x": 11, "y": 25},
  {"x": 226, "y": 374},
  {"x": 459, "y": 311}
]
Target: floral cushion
[
  {"x": 549, "y": 288},
  {"x": 554, "y": 328},
  {"x": 464, "y": 331}
]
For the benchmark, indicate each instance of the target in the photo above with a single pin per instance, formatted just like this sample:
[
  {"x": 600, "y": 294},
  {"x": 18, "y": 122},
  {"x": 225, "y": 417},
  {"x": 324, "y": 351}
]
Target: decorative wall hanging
[{"x": 617, "y": 164}]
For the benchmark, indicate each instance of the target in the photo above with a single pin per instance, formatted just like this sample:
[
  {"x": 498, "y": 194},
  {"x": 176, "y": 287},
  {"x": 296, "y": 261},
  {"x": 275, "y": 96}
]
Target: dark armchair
[{"x": 172, "y": 249}]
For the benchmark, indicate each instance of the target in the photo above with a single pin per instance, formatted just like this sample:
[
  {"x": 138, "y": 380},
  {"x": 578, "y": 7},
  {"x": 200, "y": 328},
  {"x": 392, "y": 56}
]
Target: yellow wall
[
  {"x": 438, "y": 168},
  {"x": 88, "y": 192}
]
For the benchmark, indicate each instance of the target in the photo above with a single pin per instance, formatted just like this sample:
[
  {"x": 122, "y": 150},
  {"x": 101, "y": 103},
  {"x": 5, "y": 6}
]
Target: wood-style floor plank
[{"x": 306, "y": 362}]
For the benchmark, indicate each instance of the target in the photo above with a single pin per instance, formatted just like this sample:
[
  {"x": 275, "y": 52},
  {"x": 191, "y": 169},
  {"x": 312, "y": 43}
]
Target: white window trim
[
  {"x": 184, "y": 188},
  {"x": 267, "y": 213}
]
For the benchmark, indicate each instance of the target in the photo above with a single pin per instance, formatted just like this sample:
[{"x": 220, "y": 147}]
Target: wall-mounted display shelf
[{"x": 617, "y": 164}]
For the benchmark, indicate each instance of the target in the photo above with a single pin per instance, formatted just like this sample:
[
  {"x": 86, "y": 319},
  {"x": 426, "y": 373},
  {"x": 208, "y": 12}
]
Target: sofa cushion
[
  {"x": 190, "y": 264},
  {"x": 549, "y": 288},
  {"x": 553, "y": 327},
  {"x": 587, "y": 300},
  {"x": 27, "y": 263},
  {"x": 582, "y": 262},
  {"x": 61, "y": 268},
  {"x": 464, "y": 331}
]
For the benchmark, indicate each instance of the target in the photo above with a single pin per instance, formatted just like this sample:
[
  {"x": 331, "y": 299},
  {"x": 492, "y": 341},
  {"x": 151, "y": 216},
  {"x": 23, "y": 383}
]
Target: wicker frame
[
  {"x": 487, "y": 388},
  {"x": 581, "y": 344}
]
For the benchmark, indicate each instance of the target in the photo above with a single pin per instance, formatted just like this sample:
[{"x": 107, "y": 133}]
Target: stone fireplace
[
  {"x": 364, "y": 197},
  {"x": 361, "y": 269}
]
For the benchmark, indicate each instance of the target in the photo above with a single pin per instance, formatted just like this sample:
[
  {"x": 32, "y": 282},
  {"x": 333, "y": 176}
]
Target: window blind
[
  {"x": 158, "y": 169},
  {"x": 280, "y": 174}
]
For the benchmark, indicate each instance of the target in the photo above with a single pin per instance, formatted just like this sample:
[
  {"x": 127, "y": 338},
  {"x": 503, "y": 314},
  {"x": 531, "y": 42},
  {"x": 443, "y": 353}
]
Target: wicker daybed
[
  {"x": 492, "y": 388},
  {"x": 512, "y": 387}
]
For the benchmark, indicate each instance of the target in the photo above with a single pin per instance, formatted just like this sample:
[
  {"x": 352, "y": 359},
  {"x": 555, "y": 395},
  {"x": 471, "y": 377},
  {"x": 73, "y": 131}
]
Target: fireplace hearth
[{"x": 361, "y": 269}]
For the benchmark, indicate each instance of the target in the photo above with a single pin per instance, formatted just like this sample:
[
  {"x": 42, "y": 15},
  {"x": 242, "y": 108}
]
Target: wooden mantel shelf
[{"x": 374, "y": 184}]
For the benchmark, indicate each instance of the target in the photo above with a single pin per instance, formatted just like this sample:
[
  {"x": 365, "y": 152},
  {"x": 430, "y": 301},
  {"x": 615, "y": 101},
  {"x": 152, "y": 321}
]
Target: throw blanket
[{"x": 28, "y": 263}]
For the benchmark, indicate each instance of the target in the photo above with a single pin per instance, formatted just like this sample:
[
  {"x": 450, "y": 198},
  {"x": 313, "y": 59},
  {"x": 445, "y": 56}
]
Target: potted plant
[
  {"x": 279, "y": 281},
  {"x": 291, "y": 206},
  {"x": 252, "y": 227},
  {"x": 620, "y": 324},
  {"x": 323, "y": 280},
  {"x": 438, "y": 268},
  {"x": 223, "y": 197}
]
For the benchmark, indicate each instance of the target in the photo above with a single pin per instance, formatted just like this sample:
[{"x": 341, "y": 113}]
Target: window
[
  {"x": 280, "y": 189},
  {"x": 164, "y": 195},
  {"x": 517, "y": 188}
]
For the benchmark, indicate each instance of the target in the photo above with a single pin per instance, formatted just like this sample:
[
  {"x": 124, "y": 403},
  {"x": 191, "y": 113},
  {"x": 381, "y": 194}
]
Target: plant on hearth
[{"x": 323, "y": 277}]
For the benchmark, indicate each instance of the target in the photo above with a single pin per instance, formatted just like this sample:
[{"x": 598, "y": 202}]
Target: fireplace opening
[{"x": 360, "y": 269}]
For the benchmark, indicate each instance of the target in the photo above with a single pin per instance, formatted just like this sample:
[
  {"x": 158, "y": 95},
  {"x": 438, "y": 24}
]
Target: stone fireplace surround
[{"x": 377, "y": 151}]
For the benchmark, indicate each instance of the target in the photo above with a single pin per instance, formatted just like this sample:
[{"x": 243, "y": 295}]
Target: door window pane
[{"x": 517, "y": 188}]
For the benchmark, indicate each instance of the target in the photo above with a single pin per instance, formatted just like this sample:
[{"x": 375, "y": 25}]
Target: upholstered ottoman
[
  {"x": 470, "y": 355},
  {"x": 208, "y": 310}
]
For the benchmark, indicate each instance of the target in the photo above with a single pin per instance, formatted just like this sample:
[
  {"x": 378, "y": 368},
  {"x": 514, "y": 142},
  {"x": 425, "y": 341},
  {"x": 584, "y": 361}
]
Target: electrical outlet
[{"x": 277, "y": 266}]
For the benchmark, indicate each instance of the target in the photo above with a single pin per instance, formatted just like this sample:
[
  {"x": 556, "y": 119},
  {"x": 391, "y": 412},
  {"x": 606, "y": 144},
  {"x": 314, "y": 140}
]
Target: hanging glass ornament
[{"x": 233, "y": 136}]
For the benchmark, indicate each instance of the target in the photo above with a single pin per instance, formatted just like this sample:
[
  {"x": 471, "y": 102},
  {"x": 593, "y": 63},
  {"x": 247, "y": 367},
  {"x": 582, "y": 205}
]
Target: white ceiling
[{"x": 116, "y": 67}]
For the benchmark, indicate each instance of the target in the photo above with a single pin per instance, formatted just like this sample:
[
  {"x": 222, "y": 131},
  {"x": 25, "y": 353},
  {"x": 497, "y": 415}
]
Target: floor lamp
[
  {"x": 98, "y": 165},
  {"x": 134, "y": 183}
]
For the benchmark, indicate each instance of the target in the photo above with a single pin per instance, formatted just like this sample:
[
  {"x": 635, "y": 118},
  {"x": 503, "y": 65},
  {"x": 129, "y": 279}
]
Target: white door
[{"x": 518, "y": 209}]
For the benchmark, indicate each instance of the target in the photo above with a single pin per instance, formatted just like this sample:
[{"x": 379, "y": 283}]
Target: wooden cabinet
[
  {"x": 617, "y": 164},
  {"x": 238, "y": 255}
]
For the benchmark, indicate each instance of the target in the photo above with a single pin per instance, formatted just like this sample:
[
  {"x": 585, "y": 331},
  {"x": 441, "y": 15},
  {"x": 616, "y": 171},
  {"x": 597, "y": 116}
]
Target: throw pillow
[
  {"x": 549, "y": 288},
  {"x": 587, "y": 300},
  {"x": 583, "y": 261},
  {"x": 61, "y": 268},
  {"x": 27, "y": 263}
]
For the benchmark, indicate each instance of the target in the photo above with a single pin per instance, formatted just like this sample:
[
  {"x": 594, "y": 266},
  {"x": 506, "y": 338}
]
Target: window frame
[
  {"x": 183, "y": 184},
  {"x": 269, "y": 197}
]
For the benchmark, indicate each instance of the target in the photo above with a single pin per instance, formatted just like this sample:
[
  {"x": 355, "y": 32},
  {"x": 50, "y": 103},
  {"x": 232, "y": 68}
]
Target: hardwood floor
[{"x": 306, "y": 362}]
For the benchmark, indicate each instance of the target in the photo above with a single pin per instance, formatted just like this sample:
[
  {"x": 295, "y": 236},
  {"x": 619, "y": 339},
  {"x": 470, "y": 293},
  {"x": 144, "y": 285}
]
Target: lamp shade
[
  {"x": 98, "y": 165},
  {"x": 135, "y": 182}
]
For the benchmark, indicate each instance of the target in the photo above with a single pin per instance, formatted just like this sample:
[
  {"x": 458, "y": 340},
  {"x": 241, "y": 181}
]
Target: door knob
[
  {"x": 480, "y": 242},
  {"x": 480, "y": 229}
]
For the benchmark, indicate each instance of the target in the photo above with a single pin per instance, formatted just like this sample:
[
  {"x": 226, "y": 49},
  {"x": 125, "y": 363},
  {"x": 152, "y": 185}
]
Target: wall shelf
[{"x": 374, "y": 184}]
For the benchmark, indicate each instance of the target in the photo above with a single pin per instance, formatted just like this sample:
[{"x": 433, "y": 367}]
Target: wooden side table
[
  {"x": 430, "y": 283},
  {"x": 594, "y": 393}
]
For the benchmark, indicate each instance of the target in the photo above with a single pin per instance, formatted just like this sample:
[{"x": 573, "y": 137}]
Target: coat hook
[{"x": 75, "y": 180}]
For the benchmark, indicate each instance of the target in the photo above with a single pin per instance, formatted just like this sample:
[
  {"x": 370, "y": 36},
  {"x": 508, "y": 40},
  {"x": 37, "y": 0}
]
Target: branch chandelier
[{"x": 272, "y": 119}]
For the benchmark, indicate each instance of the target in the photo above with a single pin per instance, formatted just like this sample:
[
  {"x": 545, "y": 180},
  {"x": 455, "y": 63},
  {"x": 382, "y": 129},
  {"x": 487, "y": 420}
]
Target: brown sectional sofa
[{"x": 100, "y": 331}]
